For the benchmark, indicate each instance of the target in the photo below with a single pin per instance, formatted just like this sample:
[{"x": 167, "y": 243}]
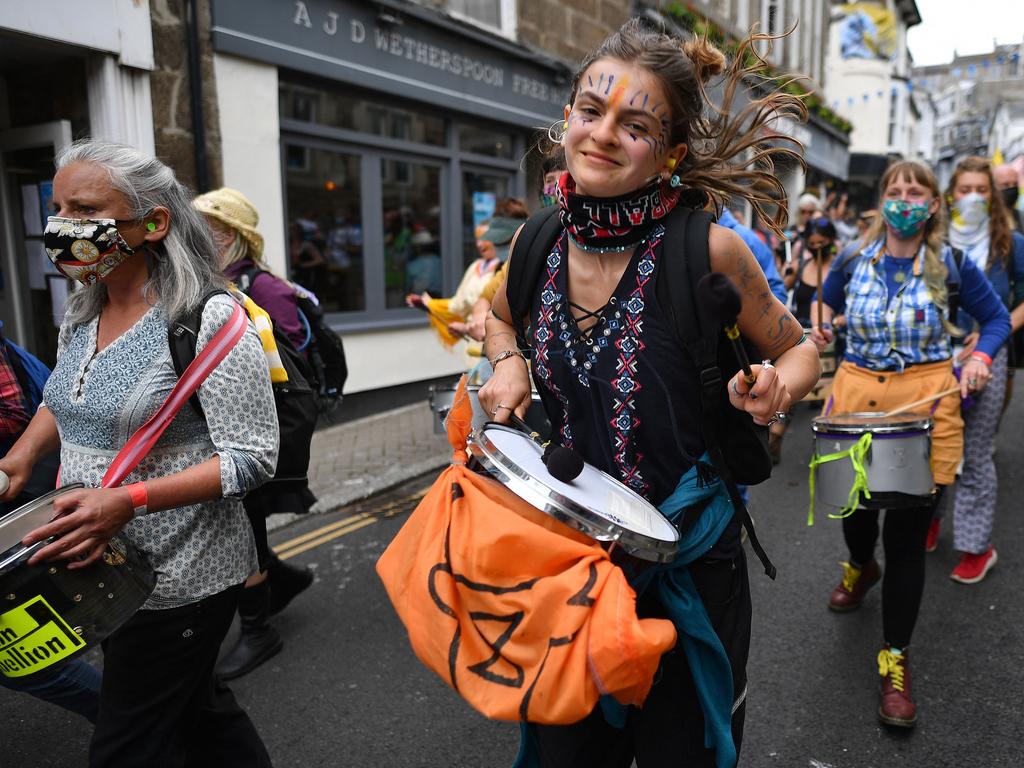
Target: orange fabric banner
[{"x": 524, "y": 617}]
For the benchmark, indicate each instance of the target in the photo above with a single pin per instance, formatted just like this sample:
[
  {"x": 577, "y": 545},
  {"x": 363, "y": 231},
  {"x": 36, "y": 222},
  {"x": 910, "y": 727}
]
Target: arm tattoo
[{"x": 782, "y": 330}]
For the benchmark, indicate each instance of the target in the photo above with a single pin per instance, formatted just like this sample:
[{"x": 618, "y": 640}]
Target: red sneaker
[
  {"x": 932, "y": 542},
  {"x": 973, "y": 568},
  {"x": 897, "y": 706}
]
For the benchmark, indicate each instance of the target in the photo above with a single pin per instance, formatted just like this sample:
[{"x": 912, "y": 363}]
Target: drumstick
[
  {"x": 817, "y": 261},
  {"x": 922, "y": 401},
  {"x": 721, "y": 300}
]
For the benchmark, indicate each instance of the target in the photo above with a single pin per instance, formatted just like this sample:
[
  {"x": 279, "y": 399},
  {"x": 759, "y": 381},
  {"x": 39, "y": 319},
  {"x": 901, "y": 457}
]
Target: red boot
[
  {"x": 932, "y": 542},
  {"x": 854, "y": 586},
  {"x": 897, "y": 707}
]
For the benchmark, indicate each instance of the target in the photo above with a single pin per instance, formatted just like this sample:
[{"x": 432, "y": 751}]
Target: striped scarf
[{"x": 260, "y": 318}]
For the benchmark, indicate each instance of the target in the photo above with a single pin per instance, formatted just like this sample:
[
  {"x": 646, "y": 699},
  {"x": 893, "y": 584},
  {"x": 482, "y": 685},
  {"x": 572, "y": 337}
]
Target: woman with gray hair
[{"x": 126, "y": 229}]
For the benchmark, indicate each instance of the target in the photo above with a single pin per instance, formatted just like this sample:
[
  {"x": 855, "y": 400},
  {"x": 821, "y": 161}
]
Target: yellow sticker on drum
[{"x": 33, "y": 637}]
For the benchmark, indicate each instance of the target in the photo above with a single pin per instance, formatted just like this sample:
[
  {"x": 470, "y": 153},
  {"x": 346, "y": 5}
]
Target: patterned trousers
[{"x": 975, "y": 508}]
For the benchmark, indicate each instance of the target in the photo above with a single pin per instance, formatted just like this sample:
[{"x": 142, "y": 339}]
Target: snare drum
[
  {"x": 594, "y": 503},
  {"x": 441, "y": 398},
  {"x": 50, "y": 614},
  {"x": 897, "y": 462}
]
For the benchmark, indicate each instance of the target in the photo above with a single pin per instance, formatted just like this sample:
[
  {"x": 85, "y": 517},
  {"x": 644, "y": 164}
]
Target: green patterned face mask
[{"x": 905, "y": 217}]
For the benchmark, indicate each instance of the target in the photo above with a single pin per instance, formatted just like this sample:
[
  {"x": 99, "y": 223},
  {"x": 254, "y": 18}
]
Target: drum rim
[
  {"x": 7, "y": 560},
  {"x": 912, "y": 423},
  {"x": 568, "y": 511}
]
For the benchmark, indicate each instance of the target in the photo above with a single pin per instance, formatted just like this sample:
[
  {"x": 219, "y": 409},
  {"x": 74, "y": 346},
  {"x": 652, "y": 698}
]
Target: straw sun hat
[{"x": 231, "y": 207}]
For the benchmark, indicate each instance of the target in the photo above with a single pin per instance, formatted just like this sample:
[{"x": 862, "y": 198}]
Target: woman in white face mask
[{"x": 981, "y": 227}]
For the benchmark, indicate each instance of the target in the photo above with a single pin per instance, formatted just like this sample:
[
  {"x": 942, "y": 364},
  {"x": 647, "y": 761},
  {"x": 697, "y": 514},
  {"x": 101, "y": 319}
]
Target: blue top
[
  {"x": 892, "y": 324},
  {"x": 761, "y": 252},
  {"x": 999, "y": 277}
]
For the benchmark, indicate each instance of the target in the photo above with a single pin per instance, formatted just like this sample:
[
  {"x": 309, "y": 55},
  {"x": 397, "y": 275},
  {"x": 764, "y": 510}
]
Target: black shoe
[
  {"x": 257, "y": 640},
  {"x": 286, "y": 581}
]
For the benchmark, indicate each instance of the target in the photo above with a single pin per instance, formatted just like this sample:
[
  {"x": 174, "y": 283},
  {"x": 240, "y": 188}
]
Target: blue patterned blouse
[{"x": 100, "y": 399}]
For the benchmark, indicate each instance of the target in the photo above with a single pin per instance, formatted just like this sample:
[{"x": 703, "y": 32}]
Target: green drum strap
[{"x": 856, "y": 452}]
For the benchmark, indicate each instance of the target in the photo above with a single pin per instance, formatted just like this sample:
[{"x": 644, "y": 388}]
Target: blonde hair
[{"x": 933, "y": 270}]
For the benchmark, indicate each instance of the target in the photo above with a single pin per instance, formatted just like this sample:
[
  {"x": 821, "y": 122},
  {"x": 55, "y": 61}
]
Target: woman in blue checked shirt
[{"x": 893, "y": 288}]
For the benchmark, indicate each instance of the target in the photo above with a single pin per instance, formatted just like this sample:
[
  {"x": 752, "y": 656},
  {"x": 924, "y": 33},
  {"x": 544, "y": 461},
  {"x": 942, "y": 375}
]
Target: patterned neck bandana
[{"x": 601, "y": 224}]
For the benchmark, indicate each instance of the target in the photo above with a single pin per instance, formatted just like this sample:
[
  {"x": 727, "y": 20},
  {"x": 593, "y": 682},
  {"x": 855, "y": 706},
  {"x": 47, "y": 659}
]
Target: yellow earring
[
  {"x": 671, "y": 163},
  {"x": 565, "y": 126}
]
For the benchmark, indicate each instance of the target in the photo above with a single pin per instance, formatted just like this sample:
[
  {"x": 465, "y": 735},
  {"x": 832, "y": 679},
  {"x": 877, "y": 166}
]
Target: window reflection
[
  {"x": 485, "y": 141},
  {"x": 325, "y": 234},
  {"x": 338, "y": 107},
  {"x": 480, "y": 193},
  {"x": 411, "y": 197}
]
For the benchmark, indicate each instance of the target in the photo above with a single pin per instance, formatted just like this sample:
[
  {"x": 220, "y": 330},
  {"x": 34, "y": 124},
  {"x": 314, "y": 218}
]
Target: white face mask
[{"x": 970, "y": 212}]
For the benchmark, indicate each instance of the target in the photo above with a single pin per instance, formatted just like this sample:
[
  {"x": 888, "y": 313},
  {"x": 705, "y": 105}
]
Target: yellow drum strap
[{"x": 856, "y": 452}]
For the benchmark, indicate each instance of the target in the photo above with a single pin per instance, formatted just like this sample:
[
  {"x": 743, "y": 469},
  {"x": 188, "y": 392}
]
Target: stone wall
[
  {"x": 171, "y": 88},
  {"x": 569, "y": 29}
]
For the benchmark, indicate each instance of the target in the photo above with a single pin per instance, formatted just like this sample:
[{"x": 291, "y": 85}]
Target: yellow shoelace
[
  {"x": 890, "y": 665},
  {"x": 851, "y": 576}
]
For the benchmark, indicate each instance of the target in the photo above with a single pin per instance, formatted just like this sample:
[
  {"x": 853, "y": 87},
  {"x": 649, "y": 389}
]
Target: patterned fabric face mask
[
  {"x": 86, "y": 250},
  {"x": 905, "y": 217}
]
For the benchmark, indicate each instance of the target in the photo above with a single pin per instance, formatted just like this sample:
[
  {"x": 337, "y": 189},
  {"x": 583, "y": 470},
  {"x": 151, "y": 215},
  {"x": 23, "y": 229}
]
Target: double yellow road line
[{"x": 331, "y": 531}]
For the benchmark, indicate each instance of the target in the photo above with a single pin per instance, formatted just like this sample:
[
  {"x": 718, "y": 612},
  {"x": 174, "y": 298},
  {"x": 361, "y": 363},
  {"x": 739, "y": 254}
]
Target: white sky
[{"x": 965, "y": 25}]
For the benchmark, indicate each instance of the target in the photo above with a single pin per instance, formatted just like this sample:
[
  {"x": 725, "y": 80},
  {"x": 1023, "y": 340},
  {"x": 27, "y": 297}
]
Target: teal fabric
[{"x": 709, "y": 665}]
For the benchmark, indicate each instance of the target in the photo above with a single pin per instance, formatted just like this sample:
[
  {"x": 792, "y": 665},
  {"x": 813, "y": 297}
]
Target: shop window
[
  {"x": 485, "y": 141},
  {"x": 411, "y": 200},
  {"x": 480, "y": 193},
  {"x": 339, "y": 107},
  {"x": 325, "y": 235}
]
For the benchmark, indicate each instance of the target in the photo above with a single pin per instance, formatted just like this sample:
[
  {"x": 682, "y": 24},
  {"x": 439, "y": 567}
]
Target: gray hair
[{"x": 184, "y": 264}]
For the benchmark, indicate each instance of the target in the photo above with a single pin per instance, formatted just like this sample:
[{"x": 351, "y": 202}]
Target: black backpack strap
[
  {"x": 182, "y": 336},
  {"x": 685, "y": 260},
  {"x": 953, "y": 284},
  {"x": 531, "y": 250}
]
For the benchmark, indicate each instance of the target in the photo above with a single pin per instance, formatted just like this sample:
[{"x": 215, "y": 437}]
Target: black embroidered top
[{"x": 624, "y": 394}]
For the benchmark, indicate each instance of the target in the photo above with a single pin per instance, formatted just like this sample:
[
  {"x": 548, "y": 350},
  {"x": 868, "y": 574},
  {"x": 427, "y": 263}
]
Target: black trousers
[
  {"x": 903, "y": 537},
  {"x": 160, "y": 704},
  {"x": 669, "y": 730}
]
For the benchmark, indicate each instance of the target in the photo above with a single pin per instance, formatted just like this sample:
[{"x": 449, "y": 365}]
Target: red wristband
[
  {"x": 983, "y": 357},
  {"x": 139, "y": 497}
]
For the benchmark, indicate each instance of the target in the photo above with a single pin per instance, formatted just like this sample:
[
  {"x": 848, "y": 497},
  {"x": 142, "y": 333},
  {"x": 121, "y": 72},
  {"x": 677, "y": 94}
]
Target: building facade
[
  {"x": 869, "y": 82},
  {"x": 62, "y": 76}
]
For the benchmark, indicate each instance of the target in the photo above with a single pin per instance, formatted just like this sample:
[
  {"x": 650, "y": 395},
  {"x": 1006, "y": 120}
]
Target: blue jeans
[{"x": 75, "y": 687}]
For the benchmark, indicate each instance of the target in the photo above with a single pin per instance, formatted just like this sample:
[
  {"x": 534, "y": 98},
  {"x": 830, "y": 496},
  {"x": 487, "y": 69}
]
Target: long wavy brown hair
[
  {"x": 1000, "y": 222},
  {"x": 732, "y": 151}
]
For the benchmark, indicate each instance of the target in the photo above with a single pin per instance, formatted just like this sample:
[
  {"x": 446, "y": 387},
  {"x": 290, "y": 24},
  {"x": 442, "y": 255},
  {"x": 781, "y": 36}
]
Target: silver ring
[
  {"x": 781, "y": 416},
  {"x": 499, "y": 407},
  {"x": 766, "y": 364},
  {"x": 972, "y": 381}
]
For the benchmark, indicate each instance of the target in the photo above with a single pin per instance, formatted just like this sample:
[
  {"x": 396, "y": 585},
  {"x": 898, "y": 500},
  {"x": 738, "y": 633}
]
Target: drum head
[
  {"x": 874, "y": 422},
  {"x": 16, "y": 525},
  {"x": 594, "y": 503}
]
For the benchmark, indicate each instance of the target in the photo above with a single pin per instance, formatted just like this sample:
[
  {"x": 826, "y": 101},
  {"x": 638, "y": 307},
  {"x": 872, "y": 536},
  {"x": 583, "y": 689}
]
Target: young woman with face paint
[
  {"x": 615, "y": 381},
  {"x": 893, "y": 291},
  {"x": 981, "y": 227}
]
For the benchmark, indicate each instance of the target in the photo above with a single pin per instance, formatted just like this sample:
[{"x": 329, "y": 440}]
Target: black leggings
[{"x": 903, "y": 536}]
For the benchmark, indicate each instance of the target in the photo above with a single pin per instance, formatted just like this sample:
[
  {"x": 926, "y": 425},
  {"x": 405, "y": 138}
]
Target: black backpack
[
  {"x": 295, "y": 401},
  {"x": 324, "y": 351},
  {"x": 738, "y": 448}
]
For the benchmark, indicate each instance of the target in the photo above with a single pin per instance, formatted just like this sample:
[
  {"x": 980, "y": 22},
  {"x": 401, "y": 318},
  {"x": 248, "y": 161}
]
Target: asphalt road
[{"x": 347, "y": 690}]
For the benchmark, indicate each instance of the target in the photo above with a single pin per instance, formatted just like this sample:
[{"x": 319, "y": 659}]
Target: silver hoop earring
[{"x": 556, "y": 131}]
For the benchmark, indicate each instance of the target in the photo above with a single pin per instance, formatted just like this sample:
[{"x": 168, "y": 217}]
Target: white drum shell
[{"x": 898, "y": 461}]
